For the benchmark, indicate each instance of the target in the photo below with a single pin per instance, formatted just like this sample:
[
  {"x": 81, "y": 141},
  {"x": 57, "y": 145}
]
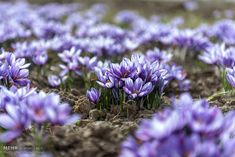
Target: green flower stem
[
  {"x": 100, "y": 106},
  {"x": 226, "y": 85},
  {"x": 121, "y": 98},
  {"x": 124, "y": 97},
  {"x": 157, "y": 100},
  {"x": 220, "y": 94},
  {"x": 38, "y": 135},
  {"x": 109, "y": 95}
]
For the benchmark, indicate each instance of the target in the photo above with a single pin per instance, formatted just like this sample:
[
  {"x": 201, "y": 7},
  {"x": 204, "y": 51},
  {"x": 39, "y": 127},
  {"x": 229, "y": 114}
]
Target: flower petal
[
  {"x": 7, "y": 122},
  {"x": 9, "y": 136}
]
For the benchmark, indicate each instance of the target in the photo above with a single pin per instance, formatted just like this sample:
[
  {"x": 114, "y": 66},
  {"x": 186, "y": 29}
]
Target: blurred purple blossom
[
  {"x": 219, "y": 55},
  {"x": 54, "y": 80},
  {"x": 158, "y": 55},
  {"x": 212, "y": 54},
  {"x": 87, "y": 62},
  {"x": 224, "y": 30},
  {"x": 35, "y": 50},
  {"x": 24, "y": 107},
  {"x": 126, "y": 16},
  {"x": 190, "y": 39},
  {"x": 191, "y": 127},
  {"x": 70, "y": 57},
  {"x": 191, "y": 5}
]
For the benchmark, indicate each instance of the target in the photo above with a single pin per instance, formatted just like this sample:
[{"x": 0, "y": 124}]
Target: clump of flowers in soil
[
  {"x": 189, "y": 128},
  {"x": 189, "y": 42},
  {"x": 74, "y": 65},
  {"x": 141, "y": 79},
  {"x": 224, "y": 59},
  {"x": 36, "y": 51},
  {"x": 24, "y": 109},
  {"x": 13, "y": 71}
]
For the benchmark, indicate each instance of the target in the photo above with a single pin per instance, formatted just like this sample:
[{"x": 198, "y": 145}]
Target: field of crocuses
[{"x": 144, "y": 79}]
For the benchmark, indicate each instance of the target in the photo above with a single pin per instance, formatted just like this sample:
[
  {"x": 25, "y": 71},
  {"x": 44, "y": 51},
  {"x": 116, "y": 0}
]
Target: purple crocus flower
[
  {"x": 191, "y": 5},
  {"x": 64, "y": 70},
  {"x": 154, "y": 73},
  {"x": 230, "y": 76},
  {"x": 227, "y": 58},
  {"x": 219, "y": 55},
  {"x": 93, "y": 95},
  {"x": 34, "y": 50},
  {"x": 126, "y": 16},
  {"x": 60, "y": 114},
  {"x": 224, "y": 30},
  {"x": 15, "y": 121},
  {"x": 164, "y": 124},
  {"x": 184, "y": 85},
  {"x": 18, "y": 74},
  {"x": 36, "y": 107},
  {"x": 207, "y": 121},
  {"x": 191, "y": 40},
  {"x": 54, "y": 80},
  {"x": 88, "y": 62},
  {"x": 40, "y": 59},
  {"x": 62, "y": 43},
  {"x": 137, "y": 88},
  {"x": 3, "y": 71},
  {"x": 49, "y": 29},
  {"x": 176, "y": 72},
  {"x": 177, "y": 21},
  {"x": 123, "y": 70},
  {"x": 104, "y": 79},
  {"x": 229, "y": 148},
  {"x": 14, "y": 95},
  {"x": 138, "y": 59},
  {"x": 157, "y": 55},
  {"x": 70, "y": 57},
  {"x": 44, "y": 107},
  {"x": 189, "y": 128},
  {"x": 212, "y": 54}
]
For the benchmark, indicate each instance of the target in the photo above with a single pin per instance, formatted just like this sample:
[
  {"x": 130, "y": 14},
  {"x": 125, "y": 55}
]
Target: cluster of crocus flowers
[
  {"x": 86, "y": 30},
  {"x": 34, "y": 50},
  {"x": 224, "y": 31},
  {"x": 74, "y": 62},
  {"x": 219, "y": 55},
  {"x": 190, "y": 39},
  {"x": 24, "y": 108},
  {"x": 72, "y": 29},
  {"x": 224, "y": 59},
  {"x": 141, "y": 78},
  {"x": 190, "y": 128},
  {"x": 13, "y": 71},
  {"x": 74, "y": 66}
]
